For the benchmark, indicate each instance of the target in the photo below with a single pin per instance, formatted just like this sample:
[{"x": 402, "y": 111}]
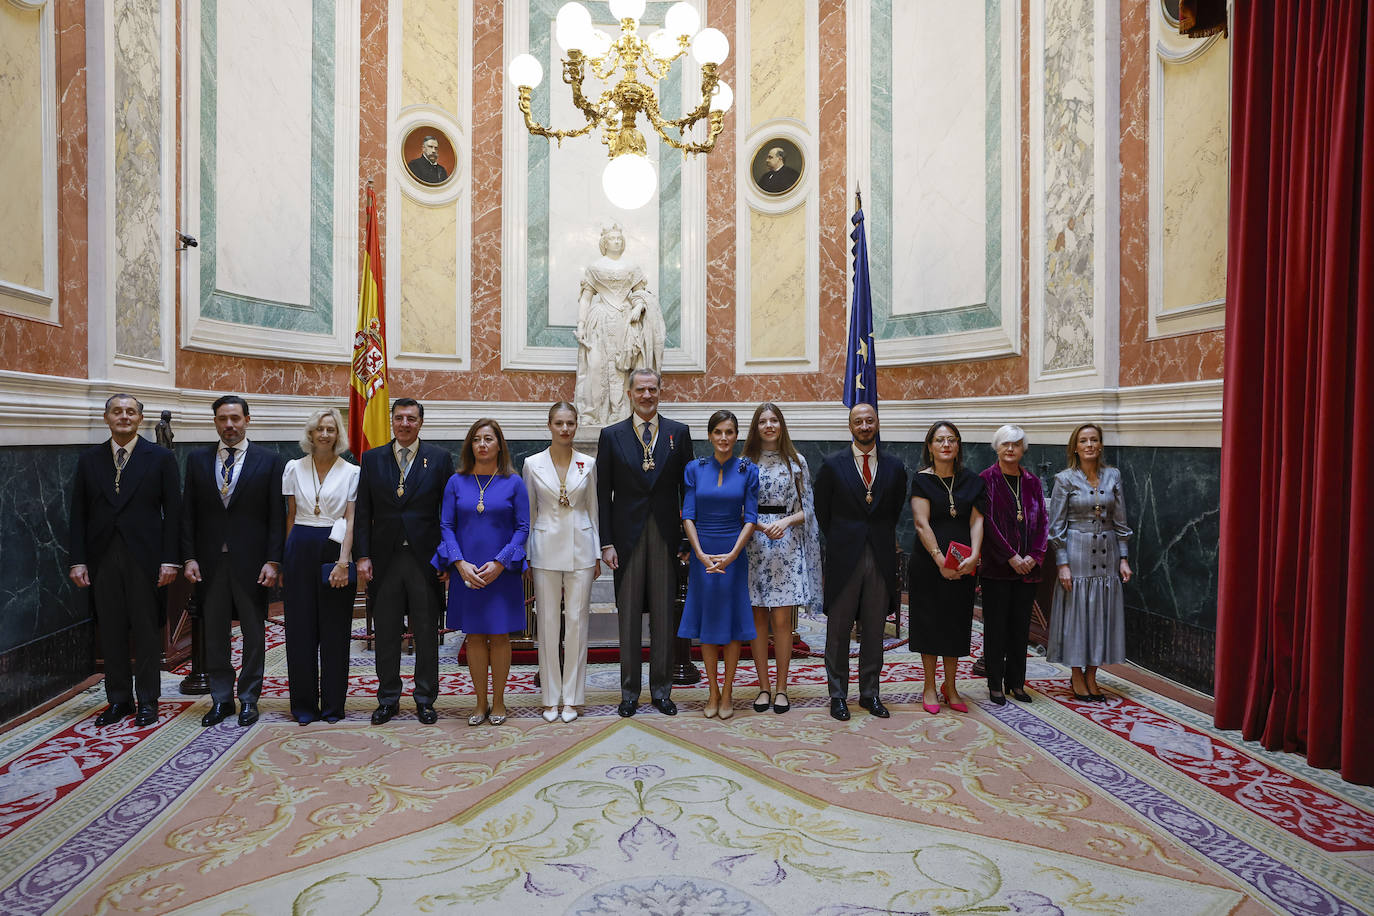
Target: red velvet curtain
[{"x": 1295, "y": 612}]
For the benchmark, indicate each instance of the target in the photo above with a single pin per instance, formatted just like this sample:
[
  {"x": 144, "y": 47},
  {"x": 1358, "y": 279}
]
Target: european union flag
[{"x": 860, "y": 366}]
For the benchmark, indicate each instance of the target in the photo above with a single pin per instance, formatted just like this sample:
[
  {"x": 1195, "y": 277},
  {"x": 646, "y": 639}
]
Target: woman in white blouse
[
  {"x": 320, "y": 490},
  {"x": 564, "y": 556}
]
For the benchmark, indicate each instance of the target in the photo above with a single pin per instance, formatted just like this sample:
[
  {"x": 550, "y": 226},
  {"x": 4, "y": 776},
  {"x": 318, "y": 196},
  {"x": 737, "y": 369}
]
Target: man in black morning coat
[
  {"x": 860, "y": 494},
  {"x": 639, "y": 463},
  {"x": 124, "y": 514},
  {"x": 395, "y": 533},
  {"x": 233, "y": 530}
]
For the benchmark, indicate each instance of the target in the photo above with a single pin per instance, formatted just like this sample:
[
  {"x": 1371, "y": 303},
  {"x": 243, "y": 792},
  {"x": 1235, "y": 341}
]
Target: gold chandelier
[{"x": 629, "y": 179}]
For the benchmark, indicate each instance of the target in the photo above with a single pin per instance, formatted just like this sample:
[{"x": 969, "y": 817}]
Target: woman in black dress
[{"x": 947, "y": 502}]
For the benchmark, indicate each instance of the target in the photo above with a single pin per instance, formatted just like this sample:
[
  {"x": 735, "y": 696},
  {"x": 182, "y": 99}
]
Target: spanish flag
[{"x": 368, "y": 424}]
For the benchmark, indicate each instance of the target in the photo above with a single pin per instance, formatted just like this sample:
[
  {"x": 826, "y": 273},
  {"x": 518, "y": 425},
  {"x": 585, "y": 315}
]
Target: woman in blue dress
[
  {"x": 484, "y": 522},
  {"x": 719, "y": 509}
]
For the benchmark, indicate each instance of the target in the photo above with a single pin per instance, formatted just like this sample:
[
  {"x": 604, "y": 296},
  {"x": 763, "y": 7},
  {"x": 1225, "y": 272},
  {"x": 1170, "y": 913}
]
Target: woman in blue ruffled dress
[
  {"x": 784, "y": 551},
  {"x": 484, "y": 523},
  {"x": 719, "y": 509}
]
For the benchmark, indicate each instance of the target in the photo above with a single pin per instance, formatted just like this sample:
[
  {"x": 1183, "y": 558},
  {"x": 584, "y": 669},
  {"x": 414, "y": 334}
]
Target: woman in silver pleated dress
[{"x": 1088, "y": 534}]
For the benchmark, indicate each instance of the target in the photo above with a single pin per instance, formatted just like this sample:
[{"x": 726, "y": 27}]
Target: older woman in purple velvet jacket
[{"x": 1015, "y": 537}]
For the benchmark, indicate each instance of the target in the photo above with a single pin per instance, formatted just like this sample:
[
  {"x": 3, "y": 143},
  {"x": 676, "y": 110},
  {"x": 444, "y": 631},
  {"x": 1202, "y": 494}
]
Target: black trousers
[
  {"x": 647, "y": 581},
  {"x": 867, "y": 597},
  {"x": 226, "y": 597},
  {"x": 406, "y": 588},
  {"x": 1006, "y": 630},
  {"x": 319, "y": 622},
  {"x": 126, "y": 607}
]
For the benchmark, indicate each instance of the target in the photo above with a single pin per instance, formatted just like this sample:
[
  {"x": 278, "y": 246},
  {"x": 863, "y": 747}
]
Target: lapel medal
[
  {"x": 400, "y": 491},
  {"x": 868, "y": 497}
]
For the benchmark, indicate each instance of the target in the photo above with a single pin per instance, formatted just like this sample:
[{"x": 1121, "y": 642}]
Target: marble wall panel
[
  {"x": 1186, "y": 357},
  {"x": 139, "y": 245},
  {"x": 777, "y": 285},
  {"x": 373, "y": 122},
  {"x": 267, "y": 146},
  {"x": 36, "y": 600},
  {"x": 1068, "y": 151},
  {"x": 935, "y": 207},
  {"x": 777, "y": 61},
  {"x": 1196, "y": 134},
  {"x": 1173, "y": 499},
  {"x": 431, "y": 58},
  {"x": 21, "y": 150},
  {"x": 31, "y": 346},
  {"x": 263, "y": 156},
  {"x": 429, "y": 238},
  {"x": 940, "y": 160}
]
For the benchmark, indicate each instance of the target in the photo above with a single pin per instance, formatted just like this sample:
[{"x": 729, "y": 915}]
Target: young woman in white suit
[{"x": 564, "y": 556}]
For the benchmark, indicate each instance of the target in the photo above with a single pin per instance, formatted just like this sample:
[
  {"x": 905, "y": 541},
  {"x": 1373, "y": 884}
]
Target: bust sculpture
[{"x": 619, "y": 328}]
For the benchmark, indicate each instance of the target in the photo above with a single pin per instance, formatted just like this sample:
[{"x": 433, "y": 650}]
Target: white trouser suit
[{"x": 564, "y": 547}]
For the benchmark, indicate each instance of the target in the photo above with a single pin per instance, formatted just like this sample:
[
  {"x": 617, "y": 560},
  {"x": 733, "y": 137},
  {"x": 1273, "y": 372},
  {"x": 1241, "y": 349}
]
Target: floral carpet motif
[{"x": 1132, "y": 806}]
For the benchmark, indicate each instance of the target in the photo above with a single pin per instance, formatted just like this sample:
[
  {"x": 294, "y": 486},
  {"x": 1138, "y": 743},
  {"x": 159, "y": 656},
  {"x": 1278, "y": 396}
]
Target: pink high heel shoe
[
  {"x": 957, "y": 707},
  {"x": 932, "y": 708}
]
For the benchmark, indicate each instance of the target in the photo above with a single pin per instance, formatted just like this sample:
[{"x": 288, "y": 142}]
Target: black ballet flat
[{"x": 762, "y": 701}]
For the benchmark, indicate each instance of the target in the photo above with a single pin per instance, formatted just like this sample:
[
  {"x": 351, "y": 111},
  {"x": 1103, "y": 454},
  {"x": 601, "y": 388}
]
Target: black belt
[{"x": 774, "y": 510}]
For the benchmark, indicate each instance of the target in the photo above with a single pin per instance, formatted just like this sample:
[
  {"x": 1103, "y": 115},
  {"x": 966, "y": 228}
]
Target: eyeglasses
[{"x": 944, "y": 440}]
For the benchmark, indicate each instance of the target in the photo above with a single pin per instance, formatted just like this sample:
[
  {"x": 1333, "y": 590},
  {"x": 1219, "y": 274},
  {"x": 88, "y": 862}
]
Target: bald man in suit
[{"x": 124, "y": 516}]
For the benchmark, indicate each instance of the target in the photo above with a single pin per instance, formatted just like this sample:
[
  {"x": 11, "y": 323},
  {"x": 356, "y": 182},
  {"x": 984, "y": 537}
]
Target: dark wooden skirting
[
  {"x": 36, "y": 672},
  {"x": 1179, "y": 651}
]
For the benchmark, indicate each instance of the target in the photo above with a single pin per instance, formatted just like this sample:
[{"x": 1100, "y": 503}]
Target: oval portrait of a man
[
  {"x": 777, "y": 166},
  {"x": 429, "y": 155}
]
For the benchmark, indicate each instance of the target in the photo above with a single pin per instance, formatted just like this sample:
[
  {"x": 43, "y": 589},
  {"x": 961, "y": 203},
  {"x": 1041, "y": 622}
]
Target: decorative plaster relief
[
  {"x": 138, "y": 198},
  {"x": 1068, "y": 185}
]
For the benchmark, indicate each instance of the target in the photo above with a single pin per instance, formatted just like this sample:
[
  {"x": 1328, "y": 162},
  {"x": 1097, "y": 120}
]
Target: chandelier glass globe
[{"x": 629, "y": 181}]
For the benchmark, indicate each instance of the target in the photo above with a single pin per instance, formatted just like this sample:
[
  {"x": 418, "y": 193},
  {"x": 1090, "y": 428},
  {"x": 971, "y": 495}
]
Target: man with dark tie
[
  {"x": 232, "y": 531},
  {"x": 396, "y": 532},
  {"x": 860, "y": 492},
  {"x": 639, "y": 464},
  {"x": 124, "y": 513}
]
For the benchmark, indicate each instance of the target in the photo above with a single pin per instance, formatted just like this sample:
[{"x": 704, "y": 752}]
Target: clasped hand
[
  {"x": 775, "y": 530},
  {"x": 479, "y": 576},
  {"x": 715, "y": 562}
]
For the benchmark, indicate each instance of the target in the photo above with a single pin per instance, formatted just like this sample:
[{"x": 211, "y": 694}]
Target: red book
[{"x": 956, "y": 553}]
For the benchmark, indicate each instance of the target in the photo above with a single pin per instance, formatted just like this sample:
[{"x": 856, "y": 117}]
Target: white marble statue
[{"x": 619, "y": 329}]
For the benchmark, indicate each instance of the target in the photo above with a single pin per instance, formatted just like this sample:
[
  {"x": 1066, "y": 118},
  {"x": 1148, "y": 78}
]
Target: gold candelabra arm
[
  {"x": 709, "y": 81},
  {"x": 662, "y": 126},
  {"x": 539, "y": 130},
  {"x": 658, "y": 67}
]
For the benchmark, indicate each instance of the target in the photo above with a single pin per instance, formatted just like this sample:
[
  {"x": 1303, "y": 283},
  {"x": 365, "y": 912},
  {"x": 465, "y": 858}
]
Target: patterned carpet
[{"x": 1056, "y": 807}]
